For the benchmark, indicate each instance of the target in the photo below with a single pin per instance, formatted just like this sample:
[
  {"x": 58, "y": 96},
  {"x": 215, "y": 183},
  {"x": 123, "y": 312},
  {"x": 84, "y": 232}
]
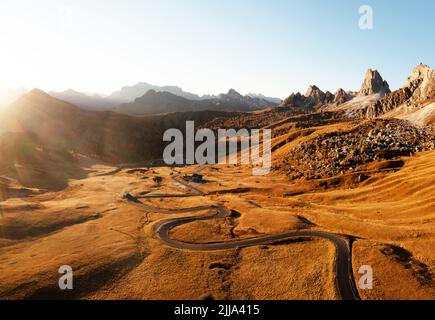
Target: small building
[{"x": 197, "y": 178}]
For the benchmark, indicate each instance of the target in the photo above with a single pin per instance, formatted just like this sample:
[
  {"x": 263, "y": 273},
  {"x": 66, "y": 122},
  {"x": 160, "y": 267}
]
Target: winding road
[{"x": 344, "y": 281}]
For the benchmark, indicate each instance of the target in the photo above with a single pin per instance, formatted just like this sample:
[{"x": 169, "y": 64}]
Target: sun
[{"x": 9, "y": 94}]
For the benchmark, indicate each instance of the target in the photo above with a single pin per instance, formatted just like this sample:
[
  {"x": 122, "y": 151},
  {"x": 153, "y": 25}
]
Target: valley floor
[{"x": 115, "y": 254}]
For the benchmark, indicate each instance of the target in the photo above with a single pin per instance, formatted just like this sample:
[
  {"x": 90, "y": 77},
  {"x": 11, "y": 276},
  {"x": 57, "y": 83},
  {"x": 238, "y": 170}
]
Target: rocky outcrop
[
  {"x": 318, "y": 97},
  {"x": 373, "y": 84},
  {"x": 297, "y": 100},
  {"x": 422, "y": 78},
  {"x": 419, "y": 89},
  {"x": 329, "y": 97},
  {"x": 341, "y": 97},
  {"x": 389, "y": 102},
  {"x": 314, "y": 97}
]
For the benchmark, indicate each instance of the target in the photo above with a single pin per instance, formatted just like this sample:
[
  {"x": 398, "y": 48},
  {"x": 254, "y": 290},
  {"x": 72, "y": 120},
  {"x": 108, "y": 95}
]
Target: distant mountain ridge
[
  {"x": 110, "y": 136},
  {"x": 154, "y": 102},
  {"x": 85, "y": 101},
  {"x": 128, "y": 95},
  {"x": 233, "y": 97},
  {"x": 262, "y": 96},
  {"x": 372, "y": 100}
]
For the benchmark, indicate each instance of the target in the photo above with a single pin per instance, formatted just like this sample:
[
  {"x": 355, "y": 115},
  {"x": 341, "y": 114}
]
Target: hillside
[
  {"x": 107, "y": 136},
  {"x": 27, "y": 163}
]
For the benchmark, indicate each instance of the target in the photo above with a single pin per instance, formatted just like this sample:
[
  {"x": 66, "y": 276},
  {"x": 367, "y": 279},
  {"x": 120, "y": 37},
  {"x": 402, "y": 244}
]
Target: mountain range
[
  {"x": 415, "y": 102},
  {"x": 45, "y": 123},
  {"x": 41, "y": 137},
  {"x": 129, "y": 94},
  {"x": 154, "y": 102}
]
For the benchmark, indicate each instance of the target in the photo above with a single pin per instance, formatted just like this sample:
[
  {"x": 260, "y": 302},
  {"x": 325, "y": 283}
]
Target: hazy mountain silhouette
[
  {"x": 130, "y": 93},
  {"x": 263, "y": 97},
  {"x": 164, "y": 102},
  {"x": 95, "y": 102},
  {"x": 109, "y": 136},
  {"x": 85, "y": 101},
  {"x": 154, "y": 102},
  {"x": 248, "y": 103}
]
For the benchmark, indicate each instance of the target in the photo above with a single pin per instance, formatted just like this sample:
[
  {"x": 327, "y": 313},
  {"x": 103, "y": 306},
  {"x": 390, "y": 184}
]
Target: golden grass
[
  {"x": 115, "y": 255},
  {"x": 296, "y": 270}
]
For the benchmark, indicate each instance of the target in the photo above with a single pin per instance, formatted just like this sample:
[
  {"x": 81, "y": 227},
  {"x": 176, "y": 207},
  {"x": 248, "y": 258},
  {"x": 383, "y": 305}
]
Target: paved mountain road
[{"x": 344, "y": 280}]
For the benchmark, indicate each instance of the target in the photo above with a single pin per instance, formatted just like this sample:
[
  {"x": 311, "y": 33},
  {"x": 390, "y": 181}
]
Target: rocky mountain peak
[
  {"x": 315, "y": 94},
  {"x": 341, "y": 96},
  {"x": 233, "y": 94},
  {"x": 420, "y": 72},
  {"x": 422, "y": 78},
  {"x": 313, "y": 91},
  {"x": 418, "y": 91},
  {"x": 373, "y": 83},
  {"x": 312, "y": 98}
]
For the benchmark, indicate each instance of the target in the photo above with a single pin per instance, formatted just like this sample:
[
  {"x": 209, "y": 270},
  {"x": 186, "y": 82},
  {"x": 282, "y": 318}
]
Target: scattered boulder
[{"x": 339, "y": 152}]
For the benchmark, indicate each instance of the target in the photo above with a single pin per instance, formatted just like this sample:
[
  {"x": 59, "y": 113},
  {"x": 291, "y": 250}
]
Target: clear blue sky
[{"x": 208, "y": 46}]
